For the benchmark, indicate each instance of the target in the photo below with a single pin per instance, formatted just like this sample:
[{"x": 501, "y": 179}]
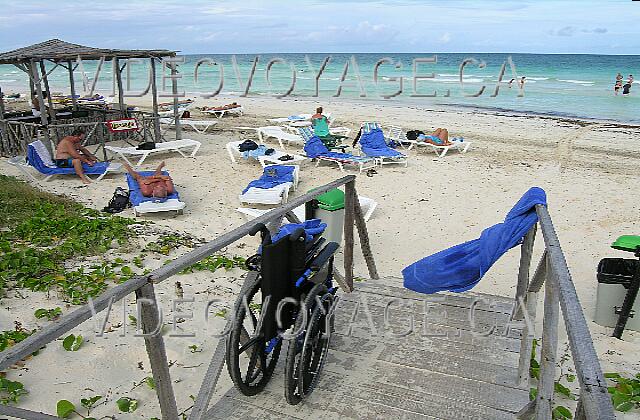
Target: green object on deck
[
  {"x": 331, "y": 200},
  {"x": 629, "y": 243}
]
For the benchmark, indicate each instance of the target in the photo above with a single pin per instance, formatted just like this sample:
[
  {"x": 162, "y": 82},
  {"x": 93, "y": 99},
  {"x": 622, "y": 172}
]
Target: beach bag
[
  {"x": 118, "y": 202},
  {"x": 413, "y": 134},
  {"x": 148, "y": 145},
  {"x": 248, "y": 145},
  {"x": 186, "y": 114}
]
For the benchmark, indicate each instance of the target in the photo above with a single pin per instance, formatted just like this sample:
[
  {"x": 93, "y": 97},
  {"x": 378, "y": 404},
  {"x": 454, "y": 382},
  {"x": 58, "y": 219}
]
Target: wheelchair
[{"x": 290, "y": 300}]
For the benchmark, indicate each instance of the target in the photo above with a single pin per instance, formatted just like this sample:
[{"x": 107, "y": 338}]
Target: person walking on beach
[{"x": 71, "y": 154}]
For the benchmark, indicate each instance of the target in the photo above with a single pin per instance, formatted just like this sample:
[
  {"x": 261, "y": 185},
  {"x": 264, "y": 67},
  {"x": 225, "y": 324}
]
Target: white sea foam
[
  {"x": 536, "y": 78},
  {"x": 7, "y": 80},
  {"x": 578, "y": 82}
]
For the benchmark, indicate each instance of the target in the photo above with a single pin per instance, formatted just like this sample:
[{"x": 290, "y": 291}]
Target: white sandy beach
[{"x": 587, "y": 168}]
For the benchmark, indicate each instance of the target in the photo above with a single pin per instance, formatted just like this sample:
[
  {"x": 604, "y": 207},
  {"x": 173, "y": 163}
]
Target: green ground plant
[{"x": 625, "y": 394}]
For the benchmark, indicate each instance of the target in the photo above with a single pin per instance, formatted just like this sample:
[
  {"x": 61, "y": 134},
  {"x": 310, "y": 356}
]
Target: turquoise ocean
[{"x": 556, "y": 84}]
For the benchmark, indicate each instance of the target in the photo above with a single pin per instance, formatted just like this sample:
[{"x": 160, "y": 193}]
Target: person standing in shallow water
[
  {"x": 626, "y": 89},
  {"x": 618, "y": 85}
]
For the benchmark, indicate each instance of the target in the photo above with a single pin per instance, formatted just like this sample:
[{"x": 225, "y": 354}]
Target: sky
[{"x": 254, "y": 26}]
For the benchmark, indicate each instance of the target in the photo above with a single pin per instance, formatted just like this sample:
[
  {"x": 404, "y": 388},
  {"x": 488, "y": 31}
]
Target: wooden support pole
[
  {"x": 212, "y": 375},
  {"x": 43, "y": 108},
  {"x": 364, "y": 236},
  {"x": 154, "y": 98},
  {"x": 52, "y": 111},
  {"x": 72, "y": 85},
  {"x": 152, "y": 326},
  {"x": 526, "y": 250},
  {"x": 4, "y": 135},
  {"x": 22, "y": 413},
  {"x": 116, "y": 65},
  {"x": 544, "y": 398},
  {"x": 349, "y": 218},
  {"x": 176, "y": 111}
]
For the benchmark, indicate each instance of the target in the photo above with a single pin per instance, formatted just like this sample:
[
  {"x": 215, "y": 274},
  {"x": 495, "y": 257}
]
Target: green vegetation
[
  {"x": 625, "y": 394},
  {"x": 50, "y": 314},
  {"x": 10, "y": 391},
  {"x": 40, "y": 232},
  {"x": 65, "y": 408}
]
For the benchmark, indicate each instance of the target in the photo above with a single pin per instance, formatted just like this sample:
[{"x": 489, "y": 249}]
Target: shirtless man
[
  {"x": 156, "y": 185},
  {"x": 71, "y": 154}
]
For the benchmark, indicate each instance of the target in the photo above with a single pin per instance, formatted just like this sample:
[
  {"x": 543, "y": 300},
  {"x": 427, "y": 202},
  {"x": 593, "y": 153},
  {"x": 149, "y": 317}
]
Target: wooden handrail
[{"x": 560, "y": 294}]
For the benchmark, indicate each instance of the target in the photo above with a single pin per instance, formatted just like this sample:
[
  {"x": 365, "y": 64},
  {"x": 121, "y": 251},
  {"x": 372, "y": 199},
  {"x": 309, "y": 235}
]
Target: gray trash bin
[
  {"x": 614, "y": 277},
  {"x": 331, "y": 211}
]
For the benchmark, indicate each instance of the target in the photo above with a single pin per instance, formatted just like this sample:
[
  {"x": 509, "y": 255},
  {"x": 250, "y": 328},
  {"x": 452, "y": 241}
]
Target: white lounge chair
[
  {"x": 168, "y": 146},
  {"x": 279, "y": 134},
  {"x": 200, "y": 126},
  {"x": 396, "y": 133},
  {"x": 40, "y": 160},
  {"x": 343, "y": 131},
  {"x": 291, "y": 118},
  {"x": 233, "y": 151},
  {"x": 271, "y": 196},
  {"x": 219, "y": 113},
  {"x": 377, "y": 142},
  {"x": 367, "y": 205}
]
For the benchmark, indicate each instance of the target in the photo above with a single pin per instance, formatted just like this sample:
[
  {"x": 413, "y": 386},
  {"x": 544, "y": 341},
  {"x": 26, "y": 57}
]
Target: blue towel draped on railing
[
  {"x": 273, "y": 175},
  {"x": 461, "y": 267},
  {"x": 135, "y": 194},
  {"x": 33, "y": 158},
  {"x": 373, "y": 144}
]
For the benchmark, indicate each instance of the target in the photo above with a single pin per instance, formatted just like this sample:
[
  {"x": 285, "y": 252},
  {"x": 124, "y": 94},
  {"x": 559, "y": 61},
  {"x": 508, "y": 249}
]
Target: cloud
[
  {"x": 445, "y": 38},
  {"x": 595, "y": 31},
  {"x": 566, "y": 31}
]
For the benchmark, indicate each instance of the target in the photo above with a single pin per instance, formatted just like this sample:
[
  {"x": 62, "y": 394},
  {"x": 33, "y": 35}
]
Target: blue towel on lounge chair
[
  {"x": 34, "y": 159},
  {"x": 461, "y": 267},
  {"x": 373, "y": 144},
  {"x": 272, "y": 176},
  {"x": 135, "y": 194},
  {"x": 314, "y": 147}
]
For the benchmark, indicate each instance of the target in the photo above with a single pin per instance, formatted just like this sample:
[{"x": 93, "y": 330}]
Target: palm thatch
[{"x": 57, "y": 50}]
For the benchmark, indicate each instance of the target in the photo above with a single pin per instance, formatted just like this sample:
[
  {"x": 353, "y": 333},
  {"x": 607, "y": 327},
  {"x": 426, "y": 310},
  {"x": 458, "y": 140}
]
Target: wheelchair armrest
[{"x": 323, "y": 257}]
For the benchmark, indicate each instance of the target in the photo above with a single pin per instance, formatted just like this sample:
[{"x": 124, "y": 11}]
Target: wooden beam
[
  {"x": 68, "y": 322},
  {"x": 43, "y": 108},
  {"x": 526, "y": 251},
  {"x": 188, "y": 259},
  {"x": 4, "y": 135},
  {"x": 596, "y": 401},
  {"x": 72, "y": 85},
  {"x": 349, "y": 216},
  {"x": 116, "y": 65},
  {"x": 363, "y": 233},
  {"x": 22, "y": 413},
  {"x": 212, "y": 375},
  {"x": 176, "y": 111},
  {"x": 152, "y": 328},
  {"x": 51, "y": 109},
  {"x": 154, "y": 98},
  {"x": 545, "y": 397}
]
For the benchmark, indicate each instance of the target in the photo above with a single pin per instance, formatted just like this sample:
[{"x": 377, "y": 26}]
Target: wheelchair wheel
[
  {"x": 248, "y": 363},
  {"x": 307, "y": 352}
]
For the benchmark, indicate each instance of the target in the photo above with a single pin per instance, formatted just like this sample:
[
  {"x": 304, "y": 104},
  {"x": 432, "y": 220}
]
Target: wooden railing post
[
  {"x": 363, "y": 234},
  {"x": 349, "y": 219},
  {"x": 544, "y": 398},
  {"x": 151, "y": 326},
  {"x": 526, "y": 250},
  {"x": 531, "y": 304}
]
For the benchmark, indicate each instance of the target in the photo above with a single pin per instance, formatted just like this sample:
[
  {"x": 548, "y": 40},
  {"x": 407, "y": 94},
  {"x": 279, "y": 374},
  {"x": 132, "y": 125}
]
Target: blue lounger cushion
[
  {"x": 373, "y": 144},
  {"x": 461, "y": 267},
  {"x": 34, "y": 159},
  {"x": 273, "y": 175},
  {"x": 135, "y": 194}
]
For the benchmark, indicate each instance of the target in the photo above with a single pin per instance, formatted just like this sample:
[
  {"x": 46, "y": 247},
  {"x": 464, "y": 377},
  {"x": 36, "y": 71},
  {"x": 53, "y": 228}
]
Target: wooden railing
[
  {"x": 143, "y": 286},
  {"x": 560, "y": 294}
]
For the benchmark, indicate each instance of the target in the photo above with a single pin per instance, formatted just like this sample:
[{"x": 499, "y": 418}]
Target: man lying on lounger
[
  {"x": 71, "y": 154},
  {"x": 156, "y": 185}
]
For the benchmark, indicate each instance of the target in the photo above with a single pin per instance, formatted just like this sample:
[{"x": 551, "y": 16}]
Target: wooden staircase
[{"x": 443, "y": 367}]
